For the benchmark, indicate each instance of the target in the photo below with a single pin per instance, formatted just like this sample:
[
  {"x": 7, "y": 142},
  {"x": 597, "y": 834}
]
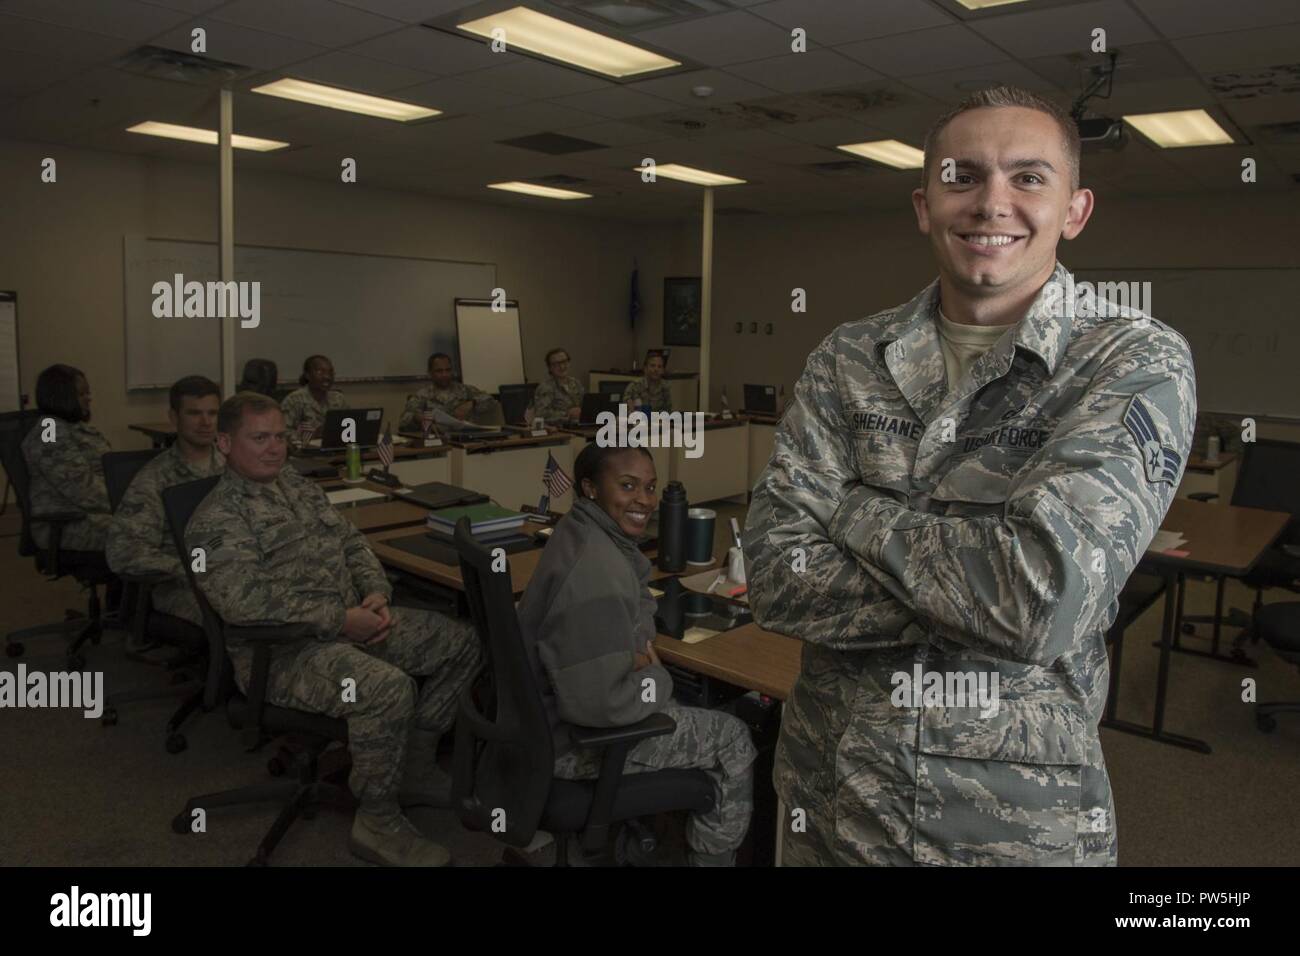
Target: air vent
[
  {"x": 553, "y": 144},
  {"x": 859, "y": 100},
  {"x": 164, "y": 64},
  {"x": 1278, "y": 132},
  {"x": 841, "y": 168},
  {"x": 1246, "y": 85},
  {"x": 636, "y": 14}
]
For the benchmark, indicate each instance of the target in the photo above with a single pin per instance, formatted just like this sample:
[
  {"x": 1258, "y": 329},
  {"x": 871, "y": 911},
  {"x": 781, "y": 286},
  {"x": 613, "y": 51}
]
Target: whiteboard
[
  {"x": 491, "y": 347},
  {"x": 376, "y": 317},
  {"x": 10, "y": 384},
  {"x": 1241, "y": 326}
]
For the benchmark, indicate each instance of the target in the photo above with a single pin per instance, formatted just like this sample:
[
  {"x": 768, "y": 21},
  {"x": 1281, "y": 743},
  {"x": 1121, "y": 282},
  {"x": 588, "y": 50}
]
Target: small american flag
[
  {"x": 385, "y": 447},
  {"x": 554, "y": 478},
  {"x": 305, "y": 431}
]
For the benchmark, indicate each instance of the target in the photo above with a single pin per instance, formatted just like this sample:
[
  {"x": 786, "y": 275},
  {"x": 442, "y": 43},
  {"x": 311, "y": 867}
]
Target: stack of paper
[
  {"x": 1166, "y": 540},
  {"x": 349, "y": 495}
]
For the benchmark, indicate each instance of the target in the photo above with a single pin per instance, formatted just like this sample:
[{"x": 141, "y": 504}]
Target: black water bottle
[{"x": 672, "y": 528}]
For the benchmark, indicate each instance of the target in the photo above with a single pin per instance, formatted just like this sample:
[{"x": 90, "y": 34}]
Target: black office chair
[
  {"x": 148, "y": 626},
  {"x": 1268, "y": 479},
  {"x": 503, "y": 781},
  {"x": 88, "y": 567},
  {"x": 251, "y": 714},
  {"x": 1279, "y": 627}
]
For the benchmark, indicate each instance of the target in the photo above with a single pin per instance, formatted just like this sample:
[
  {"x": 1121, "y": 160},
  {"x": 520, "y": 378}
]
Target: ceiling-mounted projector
[{"x": 1102, "y": 133}]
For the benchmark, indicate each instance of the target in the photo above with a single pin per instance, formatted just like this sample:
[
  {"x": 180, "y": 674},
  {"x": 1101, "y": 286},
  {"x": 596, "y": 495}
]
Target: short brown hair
[
  {"x": 1004, "y": 96},
  {"x": 191, "y": 386},
  {"x": 231, "y": 415}
]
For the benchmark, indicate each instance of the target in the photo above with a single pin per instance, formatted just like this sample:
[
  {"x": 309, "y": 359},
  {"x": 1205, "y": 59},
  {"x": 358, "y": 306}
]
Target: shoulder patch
[{"x": 1161, "y": 462}]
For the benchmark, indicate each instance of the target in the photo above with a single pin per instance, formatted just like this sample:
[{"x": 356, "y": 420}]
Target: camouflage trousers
[
  {"x": 386, "y": 703},
  {"x": 707, "y": 740}
]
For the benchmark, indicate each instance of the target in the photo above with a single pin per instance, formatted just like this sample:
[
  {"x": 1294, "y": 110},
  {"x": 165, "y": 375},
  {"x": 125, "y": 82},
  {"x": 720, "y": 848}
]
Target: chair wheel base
[
  {"x": 109, "y": 717},
  {"x": 1267, "y": 723},
  {"x": 175, "y": 743},
  {"x": 14, "y": 650},
  {"x": 181, "y": 824}
]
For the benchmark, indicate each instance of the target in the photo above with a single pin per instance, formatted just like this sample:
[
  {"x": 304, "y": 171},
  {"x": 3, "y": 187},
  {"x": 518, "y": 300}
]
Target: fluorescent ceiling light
[
  {"x": 687, "y": 174},
  {"x": 535, "y": 32},
  {"x": 888, "y": 151},
  {"x": 193, "y": 134},
  {"x": 532, "y": 189},
  {"x": 982, "y": 4},
  {"x": 337, "y": 99},
  {"x": 1180, "y": 128}
]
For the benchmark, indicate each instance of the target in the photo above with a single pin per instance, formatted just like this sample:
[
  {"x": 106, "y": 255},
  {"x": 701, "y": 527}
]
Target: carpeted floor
[{"x": 77, "y": 794}]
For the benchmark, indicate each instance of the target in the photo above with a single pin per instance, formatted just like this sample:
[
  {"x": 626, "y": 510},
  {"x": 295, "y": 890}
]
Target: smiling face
[
  {"x": 626, "y": 489},
  {"x": 654, "y": 368},
  {"x": 994, "y": 231},
  {"x": 257, "y": 447},
  {"x": 558, "y": 365},
  {"x": 320, "y": 375}
]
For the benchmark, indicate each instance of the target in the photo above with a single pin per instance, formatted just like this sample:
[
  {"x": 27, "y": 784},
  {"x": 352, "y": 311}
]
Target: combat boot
[
  {"x": 390, "y": 839},
  {"x": 424, "y": 783}
]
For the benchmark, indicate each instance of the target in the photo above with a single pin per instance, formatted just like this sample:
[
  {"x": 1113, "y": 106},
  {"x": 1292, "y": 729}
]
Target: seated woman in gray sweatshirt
[{"x": 589, "y": 618}]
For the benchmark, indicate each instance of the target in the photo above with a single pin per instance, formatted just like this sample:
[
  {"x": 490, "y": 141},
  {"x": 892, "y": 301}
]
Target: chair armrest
[
  {"x": 144, "y": 580},
  {"x": 270, "y": 633},
  {"x": 1204, "y": 496},
  {"x": 1291, "y": 550},
  {"x": 59, "y": 517},
  {"x": 616, "y": 741},
  {"x": 656, "y": 725}
]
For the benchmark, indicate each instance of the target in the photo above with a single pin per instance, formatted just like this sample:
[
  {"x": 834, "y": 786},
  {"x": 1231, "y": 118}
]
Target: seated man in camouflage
[
  {"x": 651, "y": 389},
  {"x": 446, "y": 394},
  {"x": 558, "y": 398},
  {"x": 139, "y": 542},
  {"x": 277, "y": 552}
]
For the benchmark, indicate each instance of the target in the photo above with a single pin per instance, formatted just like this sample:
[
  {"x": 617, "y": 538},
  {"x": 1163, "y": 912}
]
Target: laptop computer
[
  {"x": 365, "y": 433},
  {"x": 515, "y": 400},
  {"x": 437, "y": 494},
  {"x": 760, "y": 399},
  {"x": 593, "y": 403}
]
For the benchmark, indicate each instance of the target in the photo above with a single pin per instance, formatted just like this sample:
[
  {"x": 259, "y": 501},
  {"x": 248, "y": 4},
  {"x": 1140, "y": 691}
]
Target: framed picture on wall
[{"x": 682, "y": 311}]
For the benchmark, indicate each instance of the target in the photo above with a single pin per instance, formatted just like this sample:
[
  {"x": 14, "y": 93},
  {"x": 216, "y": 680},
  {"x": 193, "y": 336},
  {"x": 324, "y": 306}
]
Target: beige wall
[{"x": 61, "y": 248}]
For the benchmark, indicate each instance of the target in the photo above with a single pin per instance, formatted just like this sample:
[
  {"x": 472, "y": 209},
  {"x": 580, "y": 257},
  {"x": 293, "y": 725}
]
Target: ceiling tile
[
  {"x": 829, "y": 22},
  {"x": 721, "y": 39},
  {"x": 797, "y": 72},
  {"x": 1065, "y": 29},
  {"x": 423, "y": 49},
  {"x": 617, "y": 102},
  {"x": 408, "y": 11},
  {"x": 1178, "y": 18},
  {"x": 23, "y": 73},
  {"x": 46, "y": 39},
  {"x": 358, "y": 73},
  {"x": 128, "y": 19},
  {"x": 1243, "y": 49},
  {"x": 614, "y": 134},
  {"x": 236, "y": 44},
  {"x": 316, "y": 21},
  {"x": 726, "y": 88},
  {"x": 955, "y": 86},
  {"x": 539, "y": 115},
  {"x": 458, "y": 95},
  {"x": 1140, "y": 63},
  {"x": 535, "y": 79},
  {"x": 924, "y": 51}
]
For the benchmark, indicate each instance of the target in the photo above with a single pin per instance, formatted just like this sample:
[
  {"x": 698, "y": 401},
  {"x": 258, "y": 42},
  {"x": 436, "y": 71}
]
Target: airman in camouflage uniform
[
  {"x": 140, "y": 542},
  {"x": 986, "y": 528},
  {"x": 67, "y": 474},
  {"x": 277, "y": 552},
  {"x": 553, "y": 399},
  {"x": 444, "y": 399},
  {"x": 641, "y": 392},
  {"x": 301, "y": 408}
]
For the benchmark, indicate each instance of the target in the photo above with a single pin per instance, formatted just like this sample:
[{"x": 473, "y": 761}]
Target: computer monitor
[
  {"x": 593, "y": 403},
  {"x": 366, "y": 434},
  {"x": 760, "y": 399},
  {"x": 515, "y": 400}
]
